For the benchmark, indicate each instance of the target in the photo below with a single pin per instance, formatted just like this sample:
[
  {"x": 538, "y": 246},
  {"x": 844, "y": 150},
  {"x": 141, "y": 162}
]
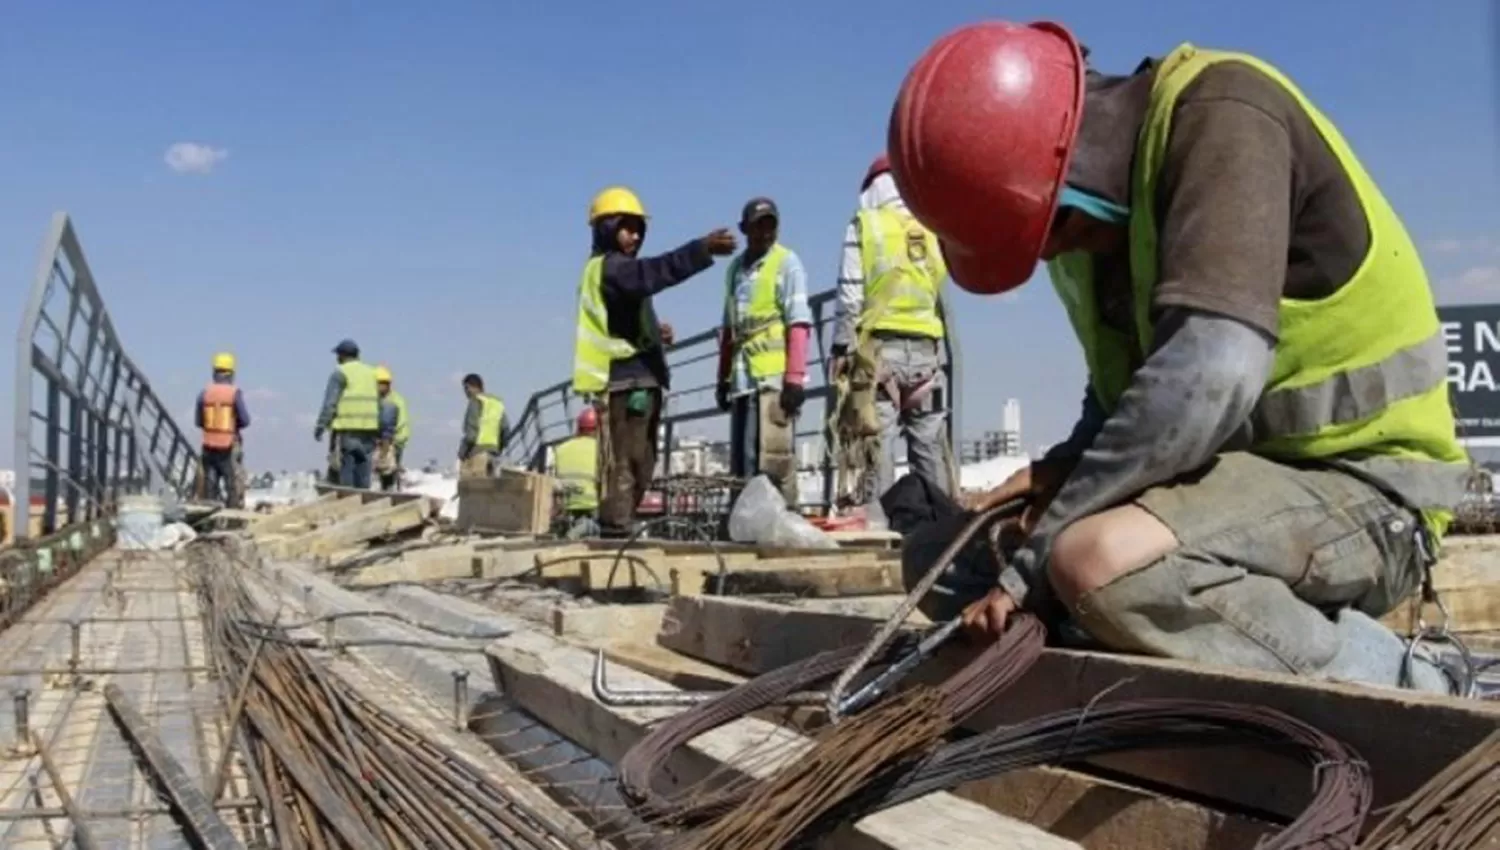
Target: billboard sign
[{"x": 1472, "y": 335}]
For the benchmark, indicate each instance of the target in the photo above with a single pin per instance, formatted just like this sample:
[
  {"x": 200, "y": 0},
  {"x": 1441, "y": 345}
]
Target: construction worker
[
  {"x": 1266, "y": 458},
  {"x": 619, "y": 359},
  {"x": 484, "y": 429},
  {"x": 395, "y": 427},
  {"x": 763, "y": 351},
  {"x": 222, "y": 414},
  {"x": 575, "y": 465},
  {"x": 351, "y": 411},
  {"x": 888, "y": 335}
]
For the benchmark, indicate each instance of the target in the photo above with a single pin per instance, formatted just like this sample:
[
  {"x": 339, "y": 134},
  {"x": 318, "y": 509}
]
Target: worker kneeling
[{"x": 1266, "y": 456}]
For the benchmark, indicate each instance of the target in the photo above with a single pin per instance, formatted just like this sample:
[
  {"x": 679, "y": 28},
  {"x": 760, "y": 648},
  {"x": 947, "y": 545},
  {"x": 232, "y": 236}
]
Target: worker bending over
[
  {"x": 763, "y": 351},
  {"x": 395, "y": 428},
  {"x": 351, "y": 411},
  {"x": 222, "y": 414},
  {"x": 619, "y": 358},
  {"x": 888, "y": 333},
  {"x": 484, "y": 429},
  {"x": 1266, "y": 457},
  {"x": 575, "y": 464}
]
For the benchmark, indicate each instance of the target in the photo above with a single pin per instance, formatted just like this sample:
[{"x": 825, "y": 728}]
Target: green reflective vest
[
  {"x": 491, "y": 411},
  {"x": 359, "y": 405},
  {"x": 903, "y": 269},
  {"x": 1359, "y": 377},
  {"x": 576, "y": 464},
  {"x": 403, "y": 420},
  {"x": 593, "y": 348},
  {"x": 760, "y": 332}
]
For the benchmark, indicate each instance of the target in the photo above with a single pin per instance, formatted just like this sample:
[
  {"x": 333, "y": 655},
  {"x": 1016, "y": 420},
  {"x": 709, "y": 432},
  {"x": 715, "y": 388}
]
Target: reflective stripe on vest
[
  {"x": 491, "y": 411},
  {"x": 219, "y": 423},
  {"x": 359, "y": 405},
  {"x": 403, "y": 421},
  {"x": 1359, "y": 378},
  {"x": 903, "y": 268},
  {"x": 760, "y": 332},
  {"x": 594, "y": 349},
  {"x": 576, "y": 465}
]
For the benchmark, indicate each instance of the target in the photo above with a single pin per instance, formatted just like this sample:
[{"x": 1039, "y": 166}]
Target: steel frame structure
[
  {"x": 547, "y": 419},
  {"x": 87, "y": 424}
]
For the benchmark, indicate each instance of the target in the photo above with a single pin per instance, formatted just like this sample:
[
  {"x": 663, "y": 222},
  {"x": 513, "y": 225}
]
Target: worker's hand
[
  {"x": 792, "y": 396},
  {"x": 720, "y": 242},
  {"x": 1038, "y": 482},
  {"x": 668, "y": 336},
  {"x": 838, "y": 367},
  {"x": 318, "y": 434},
  {"x": 984, "y": 619},
  {"x": 721, "y": 396}
]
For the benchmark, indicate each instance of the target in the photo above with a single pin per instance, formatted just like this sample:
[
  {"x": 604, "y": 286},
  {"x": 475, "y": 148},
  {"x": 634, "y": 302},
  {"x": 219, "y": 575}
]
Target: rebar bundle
[{"x": 1458, "y": 809}]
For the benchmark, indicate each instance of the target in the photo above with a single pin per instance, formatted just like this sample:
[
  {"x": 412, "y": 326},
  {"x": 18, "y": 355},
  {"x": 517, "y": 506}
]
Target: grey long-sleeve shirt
[
  {"x": 1189, "y": 401},
  {"x": 331, "y": 397}
]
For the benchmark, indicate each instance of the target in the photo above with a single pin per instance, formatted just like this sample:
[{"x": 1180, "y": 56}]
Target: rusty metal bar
[
  {"x": 194, "y": 810},
  {"x": 82, "y": 836},
  {"x": 130, "y": 812}
]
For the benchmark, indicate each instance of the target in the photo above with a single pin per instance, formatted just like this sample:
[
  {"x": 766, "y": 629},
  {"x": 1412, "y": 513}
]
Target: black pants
[
  {"x": 220, "y": 478},
  {"x": 627, "y": 459}
]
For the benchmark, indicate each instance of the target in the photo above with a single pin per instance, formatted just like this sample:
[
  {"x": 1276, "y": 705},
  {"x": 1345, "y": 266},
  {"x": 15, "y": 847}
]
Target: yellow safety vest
[
  {"x": 594, "y": 349},
  {"x": 760, "y": 332},
  {"x": 359, "y": 405},
  {"x": 491, "y": 411},
  {"x": 403, "y": 421},
  {"x": 903, "y": 269},
  {"x": 576, "y": 465},
  {"x": 1359, "y": 377}
]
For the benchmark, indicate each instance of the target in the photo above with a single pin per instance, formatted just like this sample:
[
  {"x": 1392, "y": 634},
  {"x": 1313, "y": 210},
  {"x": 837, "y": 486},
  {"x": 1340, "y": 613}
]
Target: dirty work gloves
[{"x": 792, "y": 396}]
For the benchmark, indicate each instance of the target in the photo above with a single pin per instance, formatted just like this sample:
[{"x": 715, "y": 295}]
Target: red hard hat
[
  {"x": 588, "y": 421},
  {"x": 980, "y": 139},
  {"x": 881, "y": 165}
]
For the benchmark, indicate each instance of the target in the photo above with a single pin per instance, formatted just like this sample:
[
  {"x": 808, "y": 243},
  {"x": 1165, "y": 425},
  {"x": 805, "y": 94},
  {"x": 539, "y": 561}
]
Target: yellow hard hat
[
  {"x": 382, "y": 375},
  {"x": 223, "y": 362},
  {"x": 616, "y": 200}
]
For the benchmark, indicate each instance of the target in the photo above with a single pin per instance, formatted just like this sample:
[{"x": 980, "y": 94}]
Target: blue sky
[{"x": 416, "y": 175}]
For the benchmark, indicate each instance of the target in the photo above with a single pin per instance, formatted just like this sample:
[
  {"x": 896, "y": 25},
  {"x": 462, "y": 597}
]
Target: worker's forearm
[
  {"x": 642, "y": 277},
  {"x": 471, "y": 421},
  {"x": 851, "y": 291},
  {"x": 241, "y": 411},
  {"x": 331, "y": 399},
  {"x": 796, "y": 353},
  {"x": 1154, "y": 434}
]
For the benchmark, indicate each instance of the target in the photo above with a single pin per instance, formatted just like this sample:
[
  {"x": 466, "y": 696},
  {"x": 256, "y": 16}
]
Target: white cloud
[
  {"x": 1480, "y": 278},
  {"x": 1447, "y": 246},
  {"x": 1479, "y": 245},
  {"x": 193, "y": 158}
]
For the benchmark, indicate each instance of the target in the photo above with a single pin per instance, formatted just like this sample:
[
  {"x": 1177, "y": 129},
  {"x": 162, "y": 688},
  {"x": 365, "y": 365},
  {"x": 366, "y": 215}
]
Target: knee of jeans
[{"x": 1085, "y": 557}]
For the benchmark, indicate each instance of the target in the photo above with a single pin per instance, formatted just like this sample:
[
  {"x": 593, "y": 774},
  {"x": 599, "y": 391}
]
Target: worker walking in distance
[
  {"x": 351, "y": 411},
  {"x": 484, "y": 429},
  {"x": 1266, "y": 458},
  {"x": 763, "y": 351},
  {"x": 575, "y": 464},
  {"x": 887, "y": 341},
  {"x": 395, "y": 427},
  {"x": 222, "y": 415},
  {"x": 619, "y": 356}
]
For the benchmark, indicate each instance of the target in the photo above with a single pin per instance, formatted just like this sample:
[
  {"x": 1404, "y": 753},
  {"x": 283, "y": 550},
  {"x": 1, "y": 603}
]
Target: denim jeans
[{"x": 356, "y": 456}]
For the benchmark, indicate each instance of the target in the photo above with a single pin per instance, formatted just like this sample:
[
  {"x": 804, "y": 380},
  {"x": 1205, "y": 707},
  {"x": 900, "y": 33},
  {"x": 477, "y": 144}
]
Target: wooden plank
[
  {"x": 632, "y": 569},
  {"x": 303, "y": 517},
  {"x": 368, "y": 495},
  {"x": 552, "y": 680},
  {"x": 1467, "y": 580},
  {"x": 1406, "y": 737},
  {"x": 516, "y": 500},
  {"x": 687, "y": 572},
  {"x": 815, "y": 581},
  {"x": 416, "y": 569},
  {"x": 378, "y": 519},
  {"x": 593, "y": 625}
]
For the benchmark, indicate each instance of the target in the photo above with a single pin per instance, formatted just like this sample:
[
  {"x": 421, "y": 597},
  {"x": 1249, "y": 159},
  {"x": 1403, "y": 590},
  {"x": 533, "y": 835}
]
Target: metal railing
[
  {"x": 88, "y": 425},
  {"x": 548, "y": 416}
]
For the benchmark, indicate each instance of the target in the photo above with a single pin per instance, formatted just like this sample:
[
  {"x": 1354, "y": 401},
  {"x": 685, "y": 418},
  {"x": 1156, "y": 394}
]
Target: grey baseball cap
[{"x": 759, "y": 208}]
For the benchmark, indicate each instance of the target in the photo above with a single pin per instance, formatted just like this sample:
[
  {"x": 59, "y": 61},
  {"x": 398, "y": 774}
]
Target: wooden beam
[
  {"x": 1467, "y": 580},
  {"x": 815, "y": 581},
  {"x": 378, "y": 519},
  {"x": 552, "y": 680},
  {"x": 1406, "y": 737},
  {"x": 594, "y": 625},
  {"x": 368, "y": 495},
  {"x": 303, "y": 517}
]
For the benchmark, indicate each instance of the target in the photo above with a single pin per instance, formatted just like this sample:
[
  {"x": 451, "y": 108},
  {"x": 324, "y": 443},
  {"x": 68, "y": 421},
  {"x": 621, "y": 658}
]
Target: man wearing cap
[
  {"x": 763, "y": 351},
  {"x": 1266, "y": 458},
  {"x": 889, "y": 330},
  {"x": 351, "y": 412}
]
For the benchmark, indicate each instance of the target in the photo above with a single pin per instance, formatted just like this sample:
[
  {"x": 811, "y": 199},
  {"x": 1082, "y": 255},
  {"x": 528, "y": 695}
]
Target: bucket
[{"x": 140, "y": 521}]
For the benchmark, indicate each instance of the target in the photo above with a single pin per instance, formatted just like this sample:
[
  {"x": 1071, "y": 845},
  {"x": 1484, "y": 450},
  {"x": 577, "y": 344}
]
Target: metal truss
[{"x": 88, "y": 426}]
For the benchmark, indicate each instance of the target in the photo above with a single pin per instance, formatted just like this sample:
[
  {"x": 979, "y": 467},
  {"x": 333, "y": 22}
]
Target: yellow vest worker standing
[
  {"x": 575, "y": 466},
  {"x": 1266, "y": 459},
  {"x": 763, "y": 351},
  {"x": 484, "y": 430},
  {"x": 222, "y": 415},
  {"x": 395, "y": 431},
  {"x": 889, "y": 326},
  {"x": 351, "y": 410},
  {"x": 619, "y": 359}
]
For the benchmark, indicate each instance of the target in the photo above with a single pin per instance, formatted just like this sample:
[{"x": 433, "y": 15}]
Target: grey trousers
[
  {"x": 762, "y": 440},
  {"x": 911, "y": 360},
  {"x": 1279, "y": 568}
]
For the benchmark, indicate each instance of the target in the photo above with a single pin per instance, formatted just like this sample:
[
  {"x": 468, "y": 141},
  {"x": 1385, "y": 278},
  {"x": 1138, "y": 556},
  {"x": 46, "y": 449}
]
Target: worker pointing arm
[{"x": 1267, "y": 456}]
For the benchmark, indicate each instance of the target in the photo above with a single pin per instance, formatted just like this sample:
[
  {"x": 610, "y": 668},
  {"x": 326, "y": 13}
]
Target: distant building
[{"x": 1005, "y": 442}]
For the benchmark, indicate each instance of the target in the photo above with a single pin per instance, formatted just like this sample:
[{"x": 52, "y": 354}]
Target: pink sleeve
[{"x": 796, "y": 353}]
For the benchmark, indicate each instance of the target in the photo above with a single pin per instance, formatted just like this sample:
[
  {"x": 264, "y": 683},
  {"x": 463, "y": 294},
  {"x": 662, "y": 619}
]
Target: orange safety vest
[{"x": 219, "y": 424}]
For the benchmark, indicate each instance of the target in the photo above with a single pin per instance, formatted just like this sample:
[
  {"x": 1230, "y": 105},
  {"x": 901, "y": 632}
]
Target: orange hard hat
[
  {"x": 881, "y": 165},
  {"x": 588, "y": 421},
  {"x": 980, "y": 139}
]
